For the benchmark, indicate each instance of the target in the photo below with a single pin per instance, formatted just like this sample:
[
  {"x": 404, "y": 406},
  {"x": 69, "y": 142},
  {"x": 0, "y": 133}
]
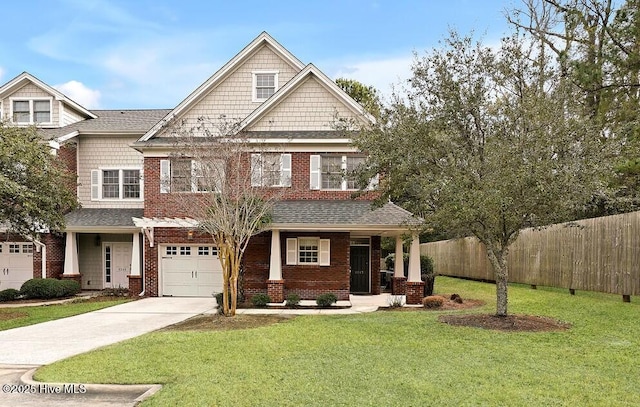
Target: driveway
[
  {"x": 23, "y": 349},
  {"x": 51, "y": 341}
]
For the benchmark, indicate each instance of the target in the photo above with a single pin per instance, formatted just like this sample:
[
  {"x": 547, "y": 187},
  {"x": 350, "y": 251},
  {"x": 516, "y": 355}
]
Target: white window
[
  {"x": 271, "y": 170},
  {"x": 31, "y": 111},
  {"x": 14, "y": 248},
  {"x": 27, "y": 248},
  {"x": 335, "y": 172},
  {"x": 171, "y": 250},
  {"x": 187, "y": 175},
  {"x": 185, "y": 250},
  {"x": 308, "y": 250},
  {"x": 265, "y": 84},
  {"x": 116, "y": 184}
]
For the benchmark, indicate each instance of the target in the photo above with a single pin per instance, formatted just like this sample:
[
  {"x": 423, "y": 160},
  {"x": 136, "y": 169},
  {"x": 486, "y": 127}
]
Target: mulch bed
[{"x": 510, "y": 323}]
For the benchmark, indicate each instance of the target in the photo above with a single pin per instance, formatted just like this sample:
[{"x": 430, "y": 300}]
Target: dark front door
[{"x": 359, "y": 269}]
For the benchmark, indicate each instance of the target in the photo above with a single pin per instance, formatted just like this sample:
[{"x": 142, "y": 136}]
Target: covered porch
[
  {"x": 348, "y": 235},
  {"x": 103, "y": 249}
]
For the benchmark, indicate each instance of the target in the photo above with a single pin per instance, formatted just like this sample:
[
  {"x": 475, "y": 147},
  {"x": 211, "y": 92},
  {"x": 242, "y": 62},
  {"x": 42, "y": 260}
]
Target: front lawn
[
  {"x": 389, "y": 358},
  {"x": 23, "y": 316}
]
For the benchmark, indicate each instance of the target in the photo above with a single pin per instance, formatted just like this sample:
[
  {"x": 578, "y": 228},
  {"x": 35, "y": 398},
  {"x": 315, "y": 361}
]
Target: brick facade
[
  {"x": 415, "y": 292},
  {"x": 169, "y": 205}
]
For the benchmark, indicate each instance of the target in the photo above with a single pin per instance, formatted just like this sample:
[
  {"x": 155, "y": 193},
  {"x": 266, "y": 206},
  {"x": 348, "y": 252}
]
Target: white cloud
[
  {"x": 81, "y": 94},
  {"x": 383, "y": 74},
  {"x": 2, "y": 72}
]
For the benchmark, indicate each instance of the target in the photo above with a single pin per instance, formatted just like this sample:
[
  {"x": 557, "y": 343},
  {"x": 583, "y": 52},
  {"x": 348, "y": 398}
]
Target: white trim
[
  {"x": 254, "y": 84},
  {"x": 324, "y": 252},
  {"x": 121, "y": 198},
  {"x": 222, "y": 73},
  {"x": 257, "y": 170},
  {"x": 293, "y": 84},
  {"x": 19, "y": 80},
  {"x": 292, "y": 251},
  {"x": 31, "y": 121}
]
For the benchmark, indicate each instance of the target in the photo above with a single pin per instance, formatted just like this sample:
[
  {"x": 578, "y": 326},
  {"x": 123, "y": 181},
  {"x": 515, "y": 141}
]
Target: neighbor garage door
[
  {"x": 16, "y": 264},
  {"x": 190, "y": 271}
]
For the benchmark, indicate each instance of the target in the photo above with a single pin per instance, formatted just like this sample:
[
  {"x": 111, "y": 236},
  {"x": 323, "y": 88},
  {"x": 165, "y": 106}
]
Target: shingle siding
[
  {"x": 233, "y": 97},
  {"x": 310, "y": 107},
  {"x": 30, "y": 91},
  {"x": 108, "y": 152}
]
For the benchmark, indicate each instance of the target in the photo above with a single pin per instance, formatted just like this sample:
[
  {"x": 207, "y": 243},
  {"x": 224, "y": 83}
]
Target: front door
[
  {"x": 360, "y": 269},
  {"x": 117, "y": 264}
]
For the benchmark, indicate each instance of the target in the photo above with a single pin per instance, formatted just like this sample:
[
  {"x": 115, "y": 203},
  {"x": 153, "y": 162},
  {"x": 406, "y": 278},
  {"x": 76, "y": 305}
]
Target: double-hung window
[
  {"x": 335, "y": 172},
  {"x": 265, "y": 84},
  {"x": 31, "y": 111},
  {"x": 116, "y": 184},
  {"x": 308, "y": 251},
  {"x": 270, "y": 170},
  {"x": 187, "y": 175}
]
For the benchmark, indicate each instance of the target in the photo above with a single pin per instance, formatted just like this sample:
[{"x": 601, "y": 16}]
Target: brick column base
[
  {"x": 415, "y": 292},
  {"x": 135, "y": 285},
  {"x": 399, "y": 286},
  {"x": 75, "y": 277},
  {"x": 275, "y": 290}
]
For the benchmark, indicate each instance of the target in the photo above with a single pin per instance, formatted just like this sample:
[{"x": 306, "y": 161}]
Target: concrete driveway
[
  {"x": 24, "y": 349},
  {"x": 51, "y": 341}
]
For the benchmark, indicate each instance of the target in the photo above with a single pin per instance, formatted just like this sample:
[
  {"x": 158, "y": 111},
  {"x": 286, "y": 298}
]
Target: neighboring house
[{"x": 129, "y": 231}]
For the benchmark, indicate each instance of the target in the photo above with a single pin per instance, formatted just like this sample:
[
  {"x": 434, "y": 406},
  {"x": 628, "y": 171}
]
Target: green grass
[
  {"x": 390, "y": 358},
  {"x": 23, "y": 316}
]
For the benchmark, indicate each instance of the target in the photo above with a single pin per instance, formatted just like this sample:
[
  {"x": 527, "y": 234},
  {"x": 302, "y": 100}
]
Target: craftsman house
[{"x": 130, "y": 233}]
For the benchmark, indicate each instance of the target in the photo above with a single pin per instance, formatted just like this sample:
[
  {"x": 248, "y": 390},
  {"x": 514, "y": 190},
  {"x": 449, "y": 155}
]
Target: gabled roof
[
  {"x": 290, "y": 87},
  {"x": 132, "y": 122},
  {"x": 222, "y": 73},
  {"x": 25, "y": 77}
]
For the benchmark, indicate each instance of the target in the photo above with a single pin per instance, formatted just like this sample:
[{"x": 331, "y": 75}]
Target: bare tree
[{"x": 222, "y": 179}]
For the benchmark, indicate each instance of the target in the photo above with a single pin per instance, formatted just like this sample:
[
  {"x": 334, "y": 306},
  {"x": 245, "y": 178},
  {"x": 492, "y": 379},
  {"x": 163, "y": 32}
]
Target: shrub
[
  {"x": 456, "y": 298},
  {"x": 293, "y": 300},
  {"x": 10, "y": 294},
  {"x": 325, "y": 300},
  {"x": 115, "y": 292},
  {"x": 69, "y": 287},
  {"x": 260, "y": 300},
  {"x": 396, "y": 301},
  {"x": 218, "y": 297},
  {"x": 433, "y": 301},
  {"x": 43, "y": 288}
]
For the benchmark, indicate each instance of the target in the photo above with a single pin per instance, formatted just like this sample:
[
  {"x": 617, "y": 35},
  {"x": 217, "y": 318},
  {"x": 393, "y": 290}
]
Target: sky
[{"x": 134, "y": 54}]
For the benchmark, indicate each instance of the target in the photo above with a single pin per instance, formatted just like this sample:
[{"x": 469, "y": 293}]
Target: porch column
[
  {"x": 415, "y": 285},
  {"x": 70, "y": 270},
  {"x": 135, "y": 279},
  {"x": 399, "y": 284},
  {"x": 275, "y": 284}
]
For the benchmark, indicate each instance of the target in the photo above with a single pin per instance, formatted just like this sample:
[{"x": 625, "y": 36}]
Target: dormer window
[
  {"x": 265, "y": 84},
  {"x": 31, "y": 111}
]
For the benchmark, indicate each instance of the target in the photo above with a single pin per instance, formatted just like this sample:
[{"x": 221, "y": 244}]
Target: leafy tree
[
  {"x": 597, "y": 45},
  {"x": 226, "y": 206},
  {"x": 35, "y": 188},
  {"x": 367, "y": 96},
  {"x": 485, "y": 143}
]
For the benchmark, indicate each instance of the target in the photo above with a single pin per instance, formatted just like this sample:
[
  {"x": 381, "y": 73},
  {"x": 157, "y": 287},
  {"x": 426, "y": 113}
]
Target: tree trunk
[{"x": 498, "y": 259}]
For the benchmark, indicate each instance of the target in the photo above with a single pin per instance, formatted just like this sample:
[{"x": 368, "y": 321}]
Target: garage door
[
  {"x": 190, "y": 271},
  {"x": 16, "y": 264}
]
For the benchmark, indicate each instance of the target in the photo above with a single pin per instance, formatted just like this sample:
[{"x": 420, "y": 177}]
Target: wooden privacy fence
[{"x": 600, "y": 254}]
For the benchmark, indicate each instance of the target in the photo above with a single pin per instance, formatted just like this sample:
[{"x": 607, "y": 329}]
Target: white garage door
[
  {"x": 16, "y": 264},
  {"x": 190, "y": 271}
]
